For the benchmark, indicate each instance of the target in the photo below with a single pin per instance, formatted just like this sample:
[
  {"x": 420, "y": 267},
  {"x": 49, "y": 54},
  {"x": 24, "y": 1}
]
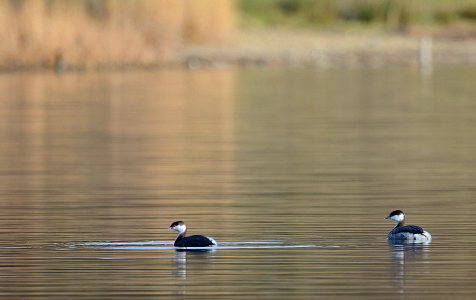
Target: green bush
[
  {"x": 468, "y": 12},
  {"x": 390, "y": 12}
]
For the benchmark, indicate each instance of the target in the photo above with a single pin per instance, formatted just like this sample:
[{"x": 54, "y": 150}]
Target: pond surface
[{"x": 292, "y": 171}]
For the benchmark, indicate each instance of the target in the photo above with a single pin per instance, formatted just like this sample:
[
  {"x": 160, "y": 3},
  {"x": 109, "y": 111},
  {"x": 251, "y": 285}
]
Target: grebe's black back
[
  {"x": 406, "y": 234},
  {"x": 190, "y": 241}
]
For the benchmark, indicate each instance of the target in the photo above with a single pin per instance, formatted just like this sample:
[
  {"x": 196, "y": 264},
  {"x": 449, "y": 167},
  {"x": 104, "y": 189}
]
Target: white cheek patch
[
  {"x": 398, "y": 218},
  {"x": 180, "y": 228}
]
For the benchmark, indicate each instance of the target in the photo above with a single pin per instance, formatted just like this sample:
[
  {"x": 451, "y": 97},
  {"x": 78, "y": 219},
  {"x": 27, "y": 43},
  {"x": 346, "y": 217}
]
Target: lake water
[{"x": 292, "y": 171}]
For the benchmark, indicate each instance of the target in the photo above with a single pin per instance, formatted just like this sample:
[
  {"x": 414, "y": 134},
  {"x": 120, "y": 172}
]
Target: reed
[{"x": 105, "y": 33}]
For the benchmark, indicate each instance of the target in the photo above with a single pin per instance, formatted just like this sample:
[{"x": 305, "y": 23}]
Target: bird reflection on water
[
  {"x": 198, "y": 259},
  {"x": 409, "y": 259}
]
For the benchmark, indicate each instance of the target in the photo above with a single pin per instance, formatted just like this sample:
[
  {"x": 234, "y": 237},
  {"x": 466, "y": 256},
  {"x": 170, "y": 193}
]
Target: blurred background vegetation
[
  {"x": 96, "y": 33},
  {"x": 387, "y": 12}
]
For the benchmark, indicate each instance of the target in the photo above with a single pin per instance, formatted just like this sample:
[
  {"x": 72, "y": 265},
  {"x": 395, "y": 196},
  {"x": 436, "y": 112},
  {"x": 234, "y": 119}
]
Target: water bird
[
  {"x": 190, "y": 241},
  {"x": 60, "y": 64},
  {"x": 406, "y": 234}
]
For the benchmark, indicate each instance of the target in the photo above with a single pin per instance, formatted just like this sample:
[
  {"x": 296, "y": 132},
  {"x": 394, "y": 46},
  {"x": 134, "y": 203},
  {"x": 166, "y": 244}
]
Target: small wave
[{"x": 167, "y": 245}]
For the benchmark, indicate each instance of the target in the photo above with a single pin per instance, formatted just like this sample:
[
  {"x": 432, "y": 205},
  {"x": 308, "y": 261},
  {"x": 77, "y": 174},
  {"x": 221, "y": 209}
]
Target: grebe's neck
[
  {"x": 400, "y": 224},
  {"x": 181, "y": 233}
]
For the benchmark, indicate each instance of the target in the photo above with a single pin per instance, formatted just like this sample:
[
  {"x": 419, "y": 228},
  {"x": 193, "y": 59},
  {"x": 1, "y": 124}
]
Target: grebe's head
[
  {"x": 178, "y": 226},
  {"x": 396, "y": 215}
]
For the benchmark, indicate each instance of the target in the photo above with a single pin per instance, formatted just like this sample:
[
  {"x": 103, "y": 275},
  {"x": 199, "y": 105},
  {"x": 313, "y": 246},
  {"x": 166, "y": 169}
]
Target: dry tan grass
[
  {"x": 214, "y": 27},
  {"x": 91, "y": 34}
]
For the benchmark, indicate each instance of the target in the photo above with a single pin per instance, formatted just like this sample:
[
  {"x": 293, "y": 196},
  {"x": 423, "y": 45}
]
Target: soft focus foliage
[
  {"x": 91, "y": 33},
  {"x": 389, "y": 12}
]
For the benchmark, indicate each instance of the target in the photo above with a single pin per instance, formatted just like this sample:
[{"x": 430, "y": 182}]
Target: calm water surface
[{"x": 291, "y": 171}]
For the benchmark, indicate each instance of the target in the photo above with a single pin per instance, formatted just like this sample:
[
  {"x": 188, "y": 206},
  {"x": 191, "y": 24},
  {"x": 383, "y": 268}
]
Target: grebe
[
  {"x": 406, "y": 234},
  {"x": 191, "y": 241}
]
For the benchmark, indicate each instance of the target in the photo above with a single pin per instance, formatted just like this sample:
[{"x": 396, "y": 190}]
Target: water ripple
[{"x": 167, "y": 245}]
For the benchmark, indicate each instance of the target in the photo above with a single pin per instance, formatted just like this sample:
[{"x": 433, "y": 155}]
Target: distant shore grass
[
  {"x": 390, "y": 13},
  {"x": 89, "y": 34},
  {"x": 111, "y": 34}
]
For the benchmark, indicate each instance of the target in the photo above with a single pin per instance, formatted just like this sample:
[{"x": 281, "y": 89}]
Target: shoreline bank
[
  {"x": 274, "y": 47},
  {"x": 327, "y": 50}
]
